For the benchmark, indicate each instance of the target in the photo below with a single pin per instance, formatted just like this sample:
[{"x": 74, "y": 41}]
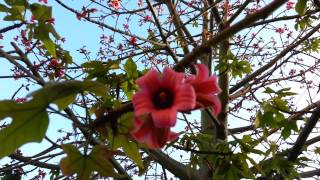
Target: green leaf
[
  {"x": 66, "y": 57},
  {"x": 56, "y": 91},
  {"x": 131, "y": 69},
  {"x": 50, "y": 46},
  {"x": 41, "y": 12},
  {"x": 85, "y": 165},
  {"x": 64, "y": 102},
  {"x": 317, "y": 151},
  {"x": 269, "y": 90},
  {"x": 16, "y": 2},
  {"x": 285, "y": 133},
  {"x": 13, "y": 17},
  {"x": 301, "y": 7},
  {"x": 29, "y": 124},
  {"x": 258, "y": 120},
  {"x": 53, "y": 31},
  {"x": 130, "y": 148},
  {"x": 4, "y": 8},
  {"x": 281, "y": 104},
  {"x": 41, "y": 32}
]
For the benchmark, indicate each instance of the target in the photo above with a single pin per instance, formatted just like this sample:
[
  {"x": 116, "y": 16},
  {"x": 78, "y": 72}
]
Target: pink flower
[
  {"x": 51, "y": 20},
  {"x": 206, "y": 88},
  {"x": 44, "y": 1},
  {"x": 146, "y": 132},
  {"x": 21, "y": 100},
  {"x": 280, "y": 30},
  {"x": 162, "y": 96},
  {"x": 116, "y": 4},
  {"x": 289, "y": 5},
  {"x": 147, "y": 18},
  {"x": 133, "y": 41}
]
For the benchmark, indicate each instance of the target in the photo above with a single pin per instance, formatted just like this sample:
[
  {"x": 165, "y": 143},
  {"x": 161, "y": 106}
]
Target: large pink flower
[
  {"x": 163, "y": 95},
  {"x": 144, "y": 131},
  {"x": 206, "y": 87}
]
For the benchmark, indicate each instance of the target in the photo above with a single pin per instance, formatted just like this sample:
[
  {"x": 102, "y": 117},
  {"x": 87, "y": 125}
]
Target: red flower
[
  {"x": 146, "y": 132},
  {"x": 44, "y": 1},
  {"x": 206, "y": 88},
  {"x": 21, "y": 100},
  {"x": 280, "y": 30},
  {"x": 133, "y": 41},
  {"x": 289, "y": 5},
  {"x": 147, "y": 18},
  {"x": 116, "y": 4},
  {"x": 51, "y": 20},
  {"x": 163, "y": 96}
]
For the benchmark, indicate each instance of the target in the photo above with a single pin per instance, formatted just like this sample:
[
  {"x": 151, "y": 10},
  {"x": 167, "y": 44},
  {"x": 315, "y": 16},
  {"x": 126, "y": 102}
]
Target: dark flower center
[{"x": 163, "y": 99}]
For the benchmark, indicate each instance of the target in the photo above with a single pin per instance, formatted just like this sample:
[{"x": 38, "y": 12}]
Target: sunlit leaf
[
  {"x": 85, "y": 165},
  {"x": 301, "y": 7},
  {"x": 29, "y": 124},
  {"x": 54, "y": 92}
]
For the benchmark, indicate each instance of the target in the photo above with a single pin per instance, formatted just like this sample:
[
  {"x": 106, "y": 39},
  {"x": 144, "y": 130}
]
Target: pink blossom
[
  {"x": 280, "y": 30},
  {"x": 133, "y": 40},
  {"x": 21, "y": 100},
  {"x": 162, "y": 96},
  {"x": 140, "y": 3},
  {"x": 206, "y": 88},
  {"x": 146, "y": 132},
  {"x": 289, "y": 5},
  {"x": 51, "y": 20},
  {"x": 116, "y": 4},
  {"x": 147, "y": 18},
  {"x": 44, "y": 1}
]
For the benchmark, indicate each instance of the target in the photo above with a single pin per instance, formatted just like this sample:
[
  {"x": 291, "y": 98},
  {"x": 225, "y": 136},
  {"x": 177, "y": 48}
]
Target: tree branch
[{"x": 310, "y": 124}]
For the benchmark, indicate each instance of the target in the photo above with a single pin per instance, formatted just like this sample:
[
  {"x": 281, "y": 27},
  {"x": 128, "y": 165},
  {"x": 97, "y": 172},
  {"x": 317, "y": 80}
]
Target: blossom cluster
[{"x": 162, "y": 96}]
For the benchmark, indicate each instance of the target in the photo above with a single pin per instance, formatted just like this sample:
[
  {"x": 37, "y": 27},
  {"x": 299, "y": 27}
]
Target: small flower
[
  {"x": 44, "y": 1},
  {"x": 33, "y": 19},
  {"x": 280, "y": 30},
  {"x": 162, "y": 96},
  {"x": 51, "y": 20},
  {"x": 145, "y": 131},
  {"x": 133, "y": 41},
  {"x": 21, "y": 100},
  {"x": 147, "y": 18},
  {"x": 289, "y": 5},
  {"x": 116, "y": 4},
  {"x": 206, "y": 88}
]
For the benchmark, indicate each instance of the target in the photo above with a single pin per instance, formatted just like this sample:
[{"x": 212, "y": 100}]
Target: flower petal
[
  {"x": 202, "y": 71},
  {"x": 205, "y": 100},
  {"x": 150, "y": 135},
  {"x": 142, "y": 129},
  {"x": 164, "y": 118},
  {"x": 149, "y": 82},
  {"x": 172, "y": 136},
  {"x": 142, "y": 103},
  {"x": 160, "y": 136},
  {"x": 210, "y": 85},
  {"x": 185, "y": 98},
  {"x": 171, "y": 79}
]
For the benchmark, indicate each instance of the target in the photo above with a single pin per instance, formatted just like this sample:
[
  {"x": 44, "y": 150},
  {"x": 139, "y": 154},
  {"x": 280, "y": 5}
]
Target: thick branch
[
  {"x": 33, "y": 162},
  {"x": 175, "y": 167},
  {"x": 310, "y": 124}
]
